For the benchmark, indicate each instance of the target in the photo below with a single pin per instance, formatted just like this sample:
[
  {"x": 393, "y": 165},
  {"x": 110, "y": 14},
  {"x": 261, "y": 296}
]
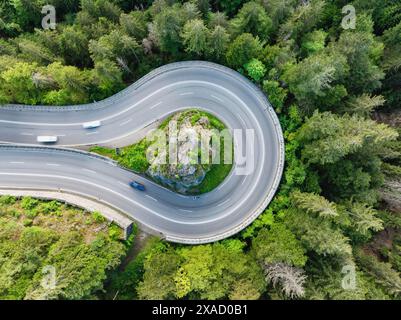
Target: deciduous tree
[{"x": 256, "y": 69}]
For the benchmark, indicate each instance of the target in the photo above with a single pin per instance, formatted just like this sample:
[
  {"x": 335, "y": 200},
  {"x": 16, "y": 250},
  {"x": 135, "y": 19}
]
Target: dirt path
[{"x": 139, "y": 243}]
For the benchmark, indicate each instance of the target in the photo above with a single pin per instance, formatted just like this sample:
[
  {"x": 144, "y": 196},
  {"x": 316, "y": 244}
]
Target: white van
[
  {"x": 92, "y": 125},
  {"x": 47, "y": 139}
]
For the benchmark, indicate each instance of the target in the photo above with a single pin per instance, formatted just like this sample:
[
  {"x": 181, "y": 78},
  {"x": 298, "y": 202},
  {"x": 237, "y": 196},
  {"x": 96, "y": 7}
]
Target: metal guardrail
[
  {"x": 30, "y": 148},
  {"x": 264, "y": 103}
]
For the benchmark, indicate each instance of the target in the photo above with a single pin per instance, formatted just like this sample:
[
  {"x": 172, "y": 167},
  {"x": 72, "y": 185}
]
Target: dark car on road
[{"x": 137, "y": 186}]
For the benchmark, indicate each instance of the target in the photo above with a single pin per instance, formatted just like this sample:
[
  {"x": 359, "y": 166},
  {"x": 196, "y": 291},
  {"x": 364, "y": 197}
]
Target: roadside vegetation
[
  {"x": 49, "y": 250},
  {"x": 339, "y": 203}
]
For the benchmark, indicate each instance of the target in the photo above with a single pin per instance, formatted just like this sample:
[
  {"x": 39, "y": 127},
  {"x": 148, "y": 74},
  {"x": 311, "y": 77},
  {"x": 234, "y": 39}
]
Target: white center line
[
  {"x": 185, "y": 210},
  {"x": 243, "y": 181},
  {"x": 125, "y": 122},
  {"x": 217, "y": 98},
  {"x": 124, "y": 184},
  {"x": 17, "y": 162},
  {"x": 186, "y": 93},
  {"x": 88, "y": 170},
  {"x": 223, "y": 203},
  {"x": 242, "y": 120},
  {"x": 92, "y": 133},
  {"x": 156, "y": 105},
  {"x": 53, "y": 164},
  {"x": 26, "y": 134},
  {"x": 148, "y": 196}
]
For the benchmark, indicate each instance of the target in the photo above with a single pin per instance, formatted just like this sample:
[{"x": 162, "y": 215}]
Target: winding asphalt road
[{"x": 210, "y": 87}]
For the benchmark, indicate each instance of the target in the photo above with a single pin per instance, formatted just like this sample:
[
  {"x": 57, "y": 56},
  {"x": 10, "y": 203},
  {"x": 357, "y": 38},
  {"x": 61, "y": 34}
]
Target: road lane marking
[
  {"x": 243, "y": 181},
  {"x": 123, "y": 184},
  {"x": 90, "y": 133},
  {"x": 148, "y": 196},
  {"x": 217, "y": 98},
  {"x": 125, "y": 122},
  {"x": 223, "y": 203},
  {"x": 26, "y": 134},
  {"x": 242, "y": 120},
  {"x": 184, "y": 210},
  {"x": 186, "y": 93},
  {"x": 16, "y": 162},
  {"x": 53, "y": 164},
  {"x": 88, "y": 170},
  {"x": 156, "y": 105}
]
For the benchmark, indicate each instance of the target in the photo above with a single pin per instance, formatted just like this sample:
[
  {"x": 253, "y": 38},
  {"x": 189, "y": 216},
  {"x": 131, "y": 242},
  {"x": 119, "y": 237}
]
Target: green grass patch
[
  {"x": 132, "y": 157},
  {"x": 106, "y": 152},
  {"x": 214, "y": 178}
]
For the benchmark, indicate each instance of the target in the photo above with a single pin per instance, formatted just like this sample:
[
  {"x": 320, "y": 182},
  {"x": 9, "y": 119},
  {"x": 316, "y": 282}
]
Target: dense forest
[
  {"x": 49, "y": 250},
  {"x": 338, "y": 211}
]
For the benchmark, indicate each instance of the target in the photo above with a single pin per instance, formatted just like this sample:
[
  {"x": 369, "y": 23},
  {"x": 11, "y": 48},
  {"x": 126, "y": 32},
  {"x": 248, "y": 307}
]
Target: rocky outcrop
[{"x": 183, "y": 132}]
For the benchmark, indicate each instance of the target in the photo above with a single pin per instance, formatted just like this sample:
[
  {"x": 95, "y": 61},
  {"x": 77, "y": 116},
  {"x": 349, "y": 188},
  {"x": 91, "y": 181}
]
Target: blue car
[{"x": 137, "y": 186}]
